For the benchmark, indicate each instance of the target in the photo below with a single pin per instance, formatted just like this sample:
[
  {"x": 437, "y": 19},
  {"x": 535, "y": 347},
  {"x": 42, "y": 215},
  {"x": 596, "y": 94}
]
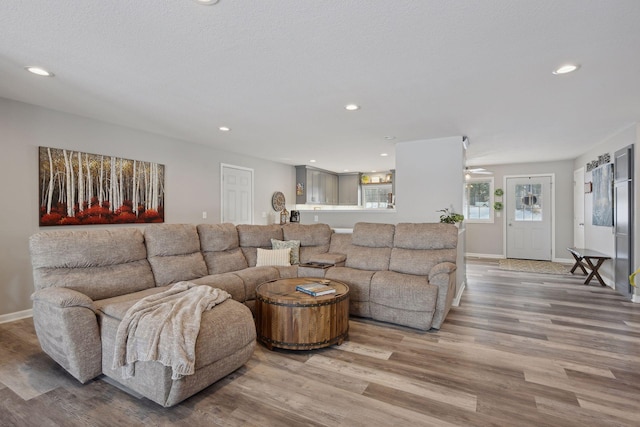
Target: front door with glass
[{"x": 529, "y": 217}]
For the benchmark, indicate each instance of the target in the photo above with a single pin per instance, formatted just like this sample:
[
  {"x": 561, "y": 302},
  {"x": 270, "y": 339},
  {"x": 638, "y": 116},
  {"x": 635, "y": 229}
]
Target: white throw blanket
[{"x": 164, "y": 327}]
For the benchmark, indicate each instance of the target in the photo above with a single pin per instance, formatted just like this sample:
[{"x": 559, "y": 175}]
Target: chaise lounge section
[{"x": 86, "y": 280}]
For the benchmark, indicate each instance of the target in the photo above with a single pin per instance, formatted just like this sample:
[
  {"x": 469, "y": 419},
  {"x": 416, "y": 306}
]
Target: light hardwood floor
[{"x": 520, "y": 350}]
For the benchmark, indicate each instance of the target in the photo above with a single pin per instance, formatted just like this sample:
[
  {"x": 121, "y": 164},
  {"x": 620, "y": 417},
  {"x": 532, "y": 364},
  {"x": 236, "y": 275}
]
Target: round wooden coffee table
[{"x": 293, "y": 320}]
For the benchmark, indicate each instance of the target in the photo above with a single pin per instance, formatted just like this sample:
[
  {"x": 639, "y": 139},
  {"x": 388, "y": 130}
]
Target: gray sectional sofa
[{"x": 86, "y": 280}]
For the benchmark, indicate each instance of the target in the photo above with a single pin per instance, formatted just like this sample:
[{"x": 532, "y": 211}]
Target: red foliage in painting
[
  {"x": 70, "y": 220},
  {"x": 124, "y": 209},
  {"x": 106, "y": 204},
  {"x": 151, "y": 215},
  {"x": 96, "y": 220},
  {"x": 125, "y": 218},
  {"x": 50, "y": 219}
]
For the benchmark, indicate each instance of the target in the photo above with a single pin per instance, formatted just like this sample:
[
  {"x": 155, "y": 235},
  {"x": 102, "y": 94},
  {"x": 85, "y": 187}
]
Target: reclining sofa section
[{"x": 86, "y": 280}]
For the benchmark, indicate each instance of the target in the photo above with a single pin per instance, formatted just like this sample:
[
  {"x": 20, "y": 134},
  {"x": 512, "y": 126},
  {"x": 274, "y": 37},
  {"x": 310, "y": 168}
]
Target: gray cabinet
[
  {"x": 316, "y": 186},
  {"x": 348, "y": 189}
]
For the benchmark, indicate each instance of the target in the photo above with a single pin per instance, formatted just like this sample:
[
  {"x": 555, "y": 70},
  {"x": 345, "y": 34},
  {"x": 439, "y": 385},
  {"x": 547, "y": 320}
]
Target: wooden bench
[{"x": 585, "y": 260}]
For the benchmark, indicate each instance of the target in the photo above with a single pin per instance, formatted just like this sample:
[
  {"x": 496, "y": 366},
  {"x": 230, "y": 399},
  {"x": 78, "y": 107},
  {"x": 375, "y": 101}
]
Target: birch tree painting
[{"x": 80, "y": 188}]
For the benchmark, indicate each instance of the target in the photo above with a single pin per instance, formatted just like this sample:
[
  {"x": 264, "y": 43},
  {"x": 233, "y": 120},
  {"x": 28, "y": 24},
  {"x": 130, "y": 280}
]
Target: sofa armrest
[
  {"x": 62, "y": 297},
  {"x": 329, "y": 258},
  {"x": 68, "y": 331},
  {"x": 443, "y": 275}
]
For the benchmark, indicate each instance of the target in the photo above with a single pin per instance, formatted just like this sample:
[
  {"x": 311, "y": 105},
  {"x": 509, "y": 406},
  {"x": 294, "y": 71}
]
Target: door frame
[
  {"x": 553, "y": 211},
  {"x": 578, "y": 196},
  {"x": 227, "y": 165}
]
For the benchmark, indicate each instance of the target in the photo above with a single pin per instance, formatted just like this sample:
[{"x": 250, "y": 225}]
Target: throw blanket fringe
[{"x": 164, "y": 327}]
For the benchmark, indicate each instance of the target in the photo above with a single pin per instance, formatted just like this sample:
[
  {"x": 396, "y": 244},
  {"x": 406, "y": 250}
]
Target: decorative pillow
[
  {"x": 293, "y": 244},
  {"x": 279, "y": 257}
]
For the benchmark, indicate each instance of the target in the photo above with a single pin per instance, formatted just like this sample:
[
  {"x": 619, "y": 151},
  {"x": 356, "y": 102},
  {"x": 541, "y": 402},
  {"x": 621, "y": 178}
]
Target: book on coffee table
[{"x": 316, "y": 289}]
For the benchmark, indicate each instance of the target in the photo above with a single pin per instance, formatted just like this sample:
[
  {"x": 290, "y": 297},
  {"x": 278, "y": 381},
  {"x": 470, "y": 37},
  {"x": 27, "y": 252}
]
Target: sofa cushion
[
  {"x": 373, "y": 235},
  {"x": 340, "y": 243},
  {"x": 419, "y": 261},
  {"x": 258, "y": 236},
  {"x": 174, "y": 253},
  {"x": 218, "y": 237},
  {"x": 227, "y": 282},
  {"x": 403, "y": 299},
  {"x": 358, "y": 281},
  {"x": 308, "y": 234},
  {"x": 253, "y": 276},
  {"x": 171, "y": 239},
  {"x": 367, "y": 258},
  {"x": 406, "y": 291},
  {"x": 426, "y": 236},
  {"x": 225, "y": 261},
  {"x": 97, "y": 263},
  {"x": 294, "y": 245}
]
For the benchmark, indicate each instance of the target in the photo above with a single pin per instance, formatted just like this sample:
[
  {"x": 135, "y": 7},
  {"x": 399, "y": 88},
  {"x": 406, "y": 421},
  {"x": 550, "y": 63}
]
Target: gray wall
[
  {"x": 487, "y": 239},
  {"x": 192, "y": 180}
]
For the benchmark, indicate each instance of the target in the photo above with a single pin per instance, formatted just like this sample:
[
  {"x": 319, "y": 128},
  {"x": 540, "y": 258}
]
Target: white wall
[
  {"x": 600, "y": 238},
  {"x": 487, "y": 239},
  {"x": 428, "y": 178},
  {"x": 192, "y": 180}
]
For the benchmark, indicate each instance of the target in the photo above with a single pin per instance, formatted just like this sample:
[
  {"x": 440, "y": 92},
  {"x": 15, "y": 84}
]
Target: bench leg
[
  {"x": 594, "y": 271},
  {"x": 578, "y": 264}
]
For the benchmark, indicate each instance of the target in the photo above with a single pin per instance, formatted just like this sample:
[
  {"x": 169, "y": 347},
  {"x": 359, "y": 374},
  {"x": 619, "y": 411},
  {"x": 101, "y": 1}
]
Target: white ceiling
[{"x": 279, "y": 72}]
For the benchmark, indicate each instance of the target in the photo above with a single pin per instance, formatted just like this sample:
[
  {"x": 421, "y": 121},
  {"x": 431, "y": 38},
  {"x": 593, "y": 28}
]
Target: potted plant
[{"x": 450, "y": 217}]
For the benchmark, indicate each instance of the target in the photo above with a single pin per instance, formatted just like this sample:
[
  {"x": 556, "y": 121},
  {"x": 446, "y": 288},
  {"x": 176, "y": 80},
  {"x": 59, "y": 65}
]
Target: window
[
  {"x": 528, "y": 202},
  {"x": 478, "y": 200},
  {"x": 376, "y": 195}
]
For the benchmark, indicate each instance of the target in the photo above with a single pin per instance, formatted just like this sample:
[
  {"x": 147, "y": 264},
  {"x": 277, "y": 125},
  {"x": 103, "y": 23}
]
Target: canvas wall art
[
  {"x": 79, "y": 188},
  {"x": 602, "y": 212}
]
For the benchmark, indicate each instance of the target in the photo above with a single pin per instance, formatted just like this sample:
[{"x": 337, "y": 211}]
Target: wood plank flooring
[{"x": 522, "y": 349}]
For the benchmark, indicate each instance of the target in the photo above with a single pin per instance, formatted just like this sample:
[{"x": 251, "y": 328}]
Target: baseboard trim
[
  {"x": 564, "y": 260},
  {"x": 456, "y": 300},
  {"x": 16, "y": 316},
  {"x": 474, "y": 255}
]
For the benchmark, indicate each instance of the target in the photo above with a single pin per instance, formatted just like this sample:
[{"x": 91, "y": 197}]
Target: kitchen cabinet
[
  {"x": 316, "y": 186},
  {"x": 348, "y": 189}
]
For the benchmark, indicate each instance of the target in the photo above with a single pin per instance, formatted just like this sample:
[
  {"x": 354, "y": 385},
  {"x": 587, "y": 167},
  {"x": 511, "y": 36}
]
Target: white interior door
[
  {"x": 237, "y": 194},
  {"x": 578, "y": 208},
  {"x": 529, "y": 217}
]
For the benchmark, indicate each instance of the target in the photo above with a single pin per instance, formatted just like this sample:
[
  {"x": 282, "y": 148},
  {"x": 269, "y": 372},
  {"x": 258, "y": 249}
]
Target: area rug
[{"x": 545, "y": 267}]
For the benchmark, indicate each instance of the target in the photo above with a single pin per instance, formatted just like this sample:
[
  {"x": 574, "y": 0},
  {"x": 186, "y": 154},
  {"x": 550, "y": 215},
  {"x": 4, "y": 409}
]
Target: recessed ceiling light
[
  {"x": 565, "y": 69},
  {"x": 351, "y": 107},
  {"x": 346, "y": 170},
  {"x": 38, "y": 71},
  {"x": 224, "y": 128},
  {"x": 384, "y": 154},
  {"x": 207, "y": 2},
  {"x": 312, "y": 161},
  {"x": 389, "y": 138}
]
